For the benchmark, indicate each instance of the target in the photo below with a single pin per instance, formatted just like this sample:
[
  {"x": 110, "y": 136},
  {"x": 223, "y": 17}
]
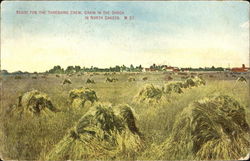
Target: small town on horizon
[{"x": 153, "y": 68}]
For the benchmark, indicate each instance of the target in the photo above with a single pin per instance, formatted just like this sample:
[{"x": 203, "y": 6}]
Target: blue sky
[{"x": 174, "y": 33}]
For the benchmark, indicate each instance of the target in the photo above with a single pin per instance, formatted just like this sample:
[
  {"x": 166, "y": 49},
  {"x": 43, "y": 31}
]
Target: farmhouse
[
  {"x": 242, "y": 69},
  {"x": 170, "y": 69}
]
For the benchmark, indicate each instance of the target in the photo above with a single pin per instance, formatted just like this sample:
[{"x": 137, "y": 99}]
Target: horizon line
[{"x": 204, "y": 67}]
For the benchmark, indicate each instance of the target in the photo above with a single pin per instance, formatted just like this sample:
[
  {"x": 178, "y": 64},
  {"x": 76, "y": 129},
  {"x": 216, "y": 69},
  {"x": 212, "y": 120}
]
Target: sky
[{"x": 183, "y": 34}]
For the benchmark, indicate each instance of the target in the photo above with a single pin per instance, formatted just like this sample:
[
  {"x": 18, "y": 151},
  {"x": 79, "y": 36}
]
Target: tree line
[{"x": 76, "y": 69}]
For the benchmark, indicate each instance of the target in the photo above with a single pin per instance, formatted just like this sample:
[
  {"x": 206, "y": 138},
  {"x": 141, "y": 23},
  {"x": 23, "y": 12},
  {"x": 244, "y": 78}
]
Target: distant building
[
  {"x": 242, "y": 69},
  {"x": 170, "y": 69}
]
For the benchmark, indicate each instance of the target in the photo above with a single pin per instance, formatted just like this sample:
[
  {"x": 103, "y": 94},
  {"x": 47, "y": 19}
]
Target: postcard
[{"x": 125, "y": 80}]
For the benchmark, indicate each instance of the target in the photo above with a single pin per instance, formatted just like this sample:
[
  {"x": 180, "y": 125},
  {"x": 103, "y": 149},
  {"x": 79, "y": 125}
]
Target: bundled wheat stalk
[
  {"x": 66, "y": 81},
  {"x": 78, "y": 97},
  {"x": 242, "y": 79},
  {"x": 109, "y": 79},
  {"x": 175, "y": 87},
  {"x": 101, "y": 134},
  {"x": 212, "y": 128},
  {"x": 90, "y": 81},
  {"x": 149, "y": 93},
  {"x": 131, "y": 79},
  {"x": 34, "y": 102},
  {"x": 194, "y": 82},
  {"x": 152, "y": 94},
  {"x": 199, "y": 81}
]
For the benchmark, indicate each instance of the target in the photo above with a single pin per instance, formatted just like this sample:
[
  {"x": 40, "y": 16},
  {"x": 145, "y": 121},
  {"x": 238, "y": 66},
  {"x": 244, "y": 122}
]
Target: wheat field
[{"x": 29, "y": 137}]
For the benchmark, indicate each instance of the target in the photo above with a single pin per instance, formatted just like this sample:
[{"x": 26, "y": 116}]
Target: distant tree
[
  {"x": 56, "y": 70},
  {"x": 219, "y": 69},
  {"x": 17, "y": 72},
  {"x": 139, "y": 68},
  {"x": 153, "y": 66},
  {"x": 4, "y": 72},
  {"x": 123, "y": 68},
  {"x": 132, "y": 67},
  {"x": 95, "y": 69},
  {"x": 117, "y": 68},
  {"x": 70, "y": 70},
  {"x": 77, "y": 68}
]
